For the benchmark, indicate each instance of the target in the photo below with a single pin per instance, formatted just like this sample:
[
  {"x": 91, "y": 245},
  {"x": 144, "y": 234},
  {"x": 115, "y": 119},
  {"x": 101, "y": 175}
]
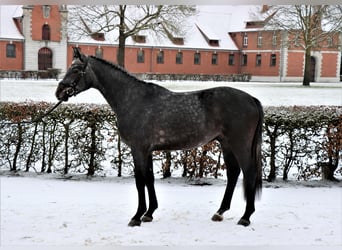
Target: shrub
[{"x": 302, "y": 141}]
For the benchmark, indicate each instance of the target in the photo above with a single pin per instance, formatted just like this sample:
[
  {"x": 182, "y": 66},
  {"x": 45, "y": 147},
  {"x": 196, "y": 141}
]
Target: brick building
[{"x": 220, "y": 40}]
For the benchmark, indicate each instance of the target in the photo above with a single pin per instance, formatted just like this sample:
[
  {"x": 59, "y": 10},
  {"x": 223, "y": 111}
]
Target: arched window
[
  {"x": 44, "y": 59},
  {"x": 273, "y": 61},
  {"x": 245, "y": 40},
  {"x": 197, "y": 58},
  {"x": 99, "y": 53},
  {"x": 214, "y": 59},
  {"x": 160, "y": 57},
  {"x": 46, "y": 32},
  {"x": 231, "y": 59},
  {"x": 141, "y": 56},
  {"x": 259, "y": 41},
  {"x": 244, "y": 60},
  {"x": 179, "y": 58},
  {"x": 258, "y": 60}
]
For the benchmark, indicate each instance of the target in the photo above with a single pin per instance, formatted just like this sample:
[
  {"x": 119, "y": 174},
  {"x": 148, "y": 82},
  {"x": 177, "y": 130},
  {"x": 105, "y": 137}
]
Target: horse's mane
[{"x": 119, "y": 68}]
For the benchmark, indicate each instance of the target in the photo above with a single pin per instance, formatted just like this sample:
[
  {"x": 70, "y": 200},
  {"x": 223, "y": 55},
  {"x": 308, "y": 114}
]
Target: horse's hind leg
[
  {"x": 153, "y": 204},
  {"x": 249, "y": 180},
  {"x": 233, "y": 171}
]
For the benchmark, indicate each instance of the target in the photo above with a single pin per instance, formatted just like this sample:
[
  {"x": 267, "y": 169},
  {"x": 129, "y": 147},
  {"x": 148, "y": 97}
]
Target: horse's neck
[{"x": 115, "y": 85}]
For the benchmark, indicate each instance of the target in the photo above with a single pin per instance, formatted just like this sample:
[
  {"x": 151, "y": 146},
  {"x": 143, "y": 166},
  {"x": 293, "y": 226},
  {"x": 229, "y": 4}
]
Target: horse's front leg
[{"x": 140, "y": 164}]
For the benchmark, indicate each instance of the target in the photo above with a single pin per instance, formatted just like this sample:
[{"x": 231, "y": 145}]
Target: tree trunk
[
  {"x": 121, "y": 51},
  {"x": 185, "y": 163},
  {"x": 167, "y": 166},
  {"x": 29, "y": 157},
  {"x": 66, "y": 148},
  {"x": 119, "y": 157},
  {"x": 122, "y": 39},
  {"x": 328, "y": 170},
  {"x": 273, "y": 136},
  {"x": 307, "y": 67},
  {"x": 18, "y": 147},
  {"x": 92, "y": 150}
]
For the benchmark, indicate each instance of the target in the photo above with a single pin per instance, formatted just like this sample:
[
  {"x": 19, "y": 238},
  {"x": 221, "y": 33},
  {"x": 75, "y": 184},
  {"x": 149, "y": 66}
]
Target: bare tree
[
  {"x": 128, "y": 21},
  {"x": 308, "y": 26}
]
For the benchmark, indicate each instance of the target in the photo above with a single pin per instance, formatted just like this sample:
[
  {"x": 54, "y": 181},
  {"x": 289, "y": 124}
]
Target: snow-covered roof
[
  {"x": 211, "y": 23},
  {"x": 8, "y": 29}
]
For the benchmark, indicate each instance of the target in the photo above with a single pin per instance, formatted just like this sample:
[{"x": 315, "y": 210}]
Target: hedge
[{"x": 303, "y": 142}]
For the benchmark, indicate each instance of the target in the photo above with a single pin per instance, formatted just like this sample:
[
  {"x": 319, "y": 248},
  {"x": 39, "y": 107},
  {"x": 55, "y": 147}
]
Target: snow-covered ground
[
  {"x": 270, "y": 94},
  {"x": 47, "y": 211}
]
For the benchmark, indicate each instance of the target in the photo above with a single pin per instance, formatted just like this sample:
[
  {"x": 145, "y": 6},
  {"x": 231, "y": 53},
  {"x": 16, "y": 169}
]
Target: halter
[{"x": 72, "y": 91}]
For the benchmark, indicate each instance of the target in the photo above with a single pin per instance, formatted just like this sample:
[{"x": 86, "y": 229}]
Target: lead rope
[{"x": 39, "y": 118}]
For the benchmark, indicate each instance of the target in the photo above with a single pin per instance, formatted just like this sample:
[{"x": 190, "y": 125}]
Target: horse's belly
[{"x": 183, "y": 140}]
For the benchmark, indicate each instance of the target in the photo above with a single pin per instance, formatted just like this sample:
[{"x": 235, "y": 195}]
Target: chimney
[{"x": 265, "y": 8}]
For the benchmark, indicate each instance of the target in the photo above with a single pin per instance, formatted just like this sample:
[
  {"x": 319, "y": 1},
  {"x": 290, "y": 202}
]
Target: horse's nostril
[{"x": 70, "y": 91}]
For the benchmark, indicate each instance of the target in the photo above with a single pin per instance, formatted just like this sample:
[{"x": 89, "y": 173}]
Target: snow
[
  {"x": 270, "y": 94},
  {"x": 8, "y": 30},
  {"x": 48, "y": 211}
]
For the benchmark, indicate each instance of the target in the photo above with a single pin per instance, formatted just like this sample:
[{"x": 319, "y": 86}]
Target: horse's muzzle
[{"x": 63, "y": 92}]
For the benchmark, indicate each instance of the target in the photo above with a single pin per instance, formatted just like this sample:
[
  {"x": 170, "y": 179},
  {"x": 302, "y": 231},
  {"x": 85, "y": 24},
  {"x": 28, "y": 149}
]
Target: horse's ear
[{"x": 77, "y": 53}]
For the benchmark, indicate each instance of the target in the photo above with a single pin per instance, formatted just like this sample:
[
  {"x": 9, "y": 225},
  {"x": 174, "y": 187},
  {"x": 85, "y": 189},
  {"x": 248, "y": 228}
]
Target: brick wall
[
  {"x": 329, "y": 60},
  {"x": 9, "y": 63},
  {"x": 54, "y": 21}
]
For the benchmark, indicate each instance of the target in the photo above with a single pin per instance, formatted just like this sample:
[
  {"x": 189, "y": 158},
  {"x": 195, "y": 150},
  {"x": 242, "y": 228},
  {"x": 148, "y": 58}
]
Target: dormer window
[
  {"x": 46, "y": 11},
  {"x": 139, "y": 38},
  {"x": 213, "y": 42},
  {"x": 98, "y": 36}
]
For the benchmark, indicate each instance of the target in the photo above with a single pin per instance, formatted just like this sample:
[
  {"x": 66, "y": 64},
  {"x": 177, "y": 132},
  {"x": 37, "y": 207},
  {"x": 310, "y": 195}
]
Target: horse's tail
[{"x": 256, "y": 147}]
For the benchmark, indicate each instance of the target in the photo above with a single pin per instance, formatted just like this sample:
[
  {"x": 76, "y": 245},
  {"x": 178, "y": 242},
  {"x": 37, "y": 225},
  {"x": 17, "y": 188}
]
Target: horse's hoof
[
  {"x": 134, "y": 223},
  {"x": 146, "y": 218},
  {"x": 217, "y": 217},
  {"x": 244, "y": 222}
]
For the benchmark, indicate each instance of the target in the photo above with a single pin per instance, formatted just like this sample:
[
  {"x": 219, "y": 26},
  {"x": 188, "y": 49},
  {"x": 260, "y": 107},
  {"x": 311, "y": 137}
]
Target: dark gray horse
[{"x": 151, "y": 117}]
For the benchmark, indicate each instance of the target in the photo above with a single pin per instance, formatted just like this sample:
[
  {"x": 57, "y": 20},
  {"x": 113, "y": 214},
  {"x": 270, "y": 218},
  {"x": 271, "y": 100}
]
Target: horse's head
[{"x": 75, "y": 79}]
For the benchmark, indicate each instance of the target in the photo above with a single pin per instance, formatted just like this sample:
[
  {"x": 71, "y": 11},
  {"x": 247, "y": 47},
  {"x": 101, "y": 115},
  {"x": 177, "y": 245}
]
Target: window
[
  {"x": 141, "y": 56},
  {"x": 214, "y": 59},
  {"x": 160, "y": 57},
  {"x": 244, "y": 60},
  {"x": 258, "y": 60},
  {"x": 10, "y": 51},
  {"x": 274, "y": 39},
  {"x": 245, "y": 40},
  {"x": 99, "y": 52},
  {"x": 259, "y": 39},
  {"x": 231, "y": 59},
  {"x": 197, "y": 58},
  {"x": 46, "y": 11},
  {"x": 273, "y": 61},
  {"x": 46, "y": 32},
  {"x": 179, "y": 58}
]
